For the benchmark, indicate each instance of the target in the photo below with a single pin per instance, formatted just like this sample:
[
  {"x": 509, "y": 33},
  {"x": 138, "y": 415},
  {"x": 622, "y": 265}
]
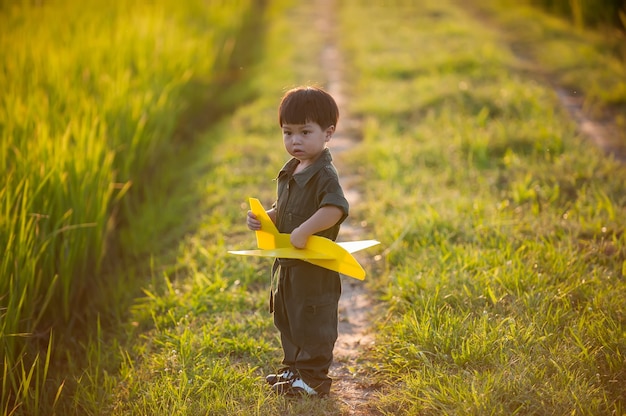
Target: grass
[
  {"x": 591, "y": 65},
  {"x": 583, "y": 13},
  {"x": 90, "y": 105},
  {"x": 504, "y": 273},
  {"x": 502, "y": 277},
  {"x": 200, "y": 337}
]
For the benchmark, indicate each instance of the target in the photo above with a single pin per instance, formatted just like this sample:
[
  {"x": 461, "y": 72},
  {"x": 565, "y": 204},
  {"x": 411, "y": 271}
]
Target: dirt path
[
  {"x": 350, "y": 386},
  {"x": 601, "y": 130}
]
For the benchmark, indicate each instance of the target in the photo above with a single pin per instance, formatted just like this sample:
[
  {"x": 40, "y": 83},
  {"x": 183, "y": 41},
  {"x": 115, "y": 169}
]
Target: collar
[{"x": 303, "y": 177}]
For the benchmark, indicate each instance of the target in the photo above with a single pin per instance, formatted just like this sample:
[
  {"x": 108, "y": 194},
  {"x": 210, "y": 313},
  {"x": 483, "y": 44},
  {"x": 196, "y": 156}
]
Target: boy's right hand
[{"x": 253, "y": 223}]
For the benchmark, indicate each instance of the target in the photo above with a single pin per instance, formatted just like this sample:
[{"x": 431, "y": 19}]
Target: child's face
[{"x": 307, "y": 141}]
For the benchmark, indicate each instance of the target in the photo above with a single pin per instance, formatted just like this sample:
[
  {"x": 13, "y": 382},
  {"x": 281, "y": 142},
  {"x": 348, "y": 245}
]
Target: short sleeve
[
  {"x": 332, "y": 193},
  {"x": 338, "y": 200}
]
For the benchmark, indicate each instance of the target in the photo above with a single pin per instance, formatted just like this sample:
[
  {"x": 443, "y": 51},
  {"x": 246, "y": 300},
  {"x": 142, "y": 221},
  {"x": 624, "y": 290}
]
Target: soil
[
  {"x": 350, "y": 386},
  {"x": 601, "y": 131}
]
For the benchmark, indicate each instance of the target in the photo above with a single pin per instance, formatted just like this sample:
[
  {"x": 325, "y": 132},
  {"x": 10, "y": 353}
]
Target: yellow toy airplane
[{"x": 319, "y": 250}]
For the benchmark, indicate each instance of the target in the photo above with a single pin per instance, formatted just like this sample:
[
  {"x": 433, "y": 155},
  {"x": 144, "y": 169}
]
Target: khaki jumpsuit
[{"x": 305, "y": 302}]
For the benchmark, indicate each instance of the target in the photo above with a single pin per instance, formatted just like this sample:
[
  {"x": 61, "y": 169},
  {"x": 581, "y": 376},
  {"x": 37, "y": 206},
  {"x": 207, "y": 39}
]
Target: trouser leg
[
  {"x": 305, "y": 312},
  {"x": 313, "y": 364},
  {"x": 290, "y": 351}
]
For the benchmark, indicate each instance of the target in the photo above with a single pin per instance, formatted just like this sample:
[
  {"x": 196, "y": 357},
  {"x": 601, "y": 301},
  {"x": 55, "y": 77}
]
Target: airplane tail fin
[{"x": 268, "y": 234}]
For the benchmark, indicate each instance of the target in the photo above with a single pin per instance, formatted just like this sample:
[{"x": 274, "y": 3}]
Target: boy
[{"x": 309, "y": 201}]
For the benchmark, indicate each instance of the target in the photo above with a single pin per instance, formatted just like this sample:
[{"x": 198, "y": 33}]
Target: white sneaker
[
  {"x": 298, "y": 383},
  {"x": 284, "y": 374},
  {"x": 294, "y": 387}
]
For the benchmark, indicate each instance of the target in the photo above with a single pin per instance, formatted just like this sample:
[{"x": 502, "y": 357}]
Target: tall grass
[
  {"x": 587, "y": 12},
  {"x": 91, "y": 97}
]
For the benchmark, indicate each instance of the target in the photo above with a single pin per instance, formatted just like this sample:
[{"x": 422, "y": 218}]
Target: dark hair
[{"x": 308, "y": 104}]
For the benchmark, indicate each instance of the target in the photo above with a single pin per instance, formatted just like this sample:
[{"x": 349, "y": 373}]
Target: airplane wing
[
  {"x": 354, "y": 246},
  {"x": 285, "y": 253}
]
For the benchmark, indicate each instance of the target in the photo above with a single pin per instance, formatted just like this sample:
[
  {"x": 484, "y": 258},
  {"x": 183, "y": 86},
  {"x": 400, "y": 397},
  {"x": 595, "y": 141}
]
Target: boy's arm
[
  {"x": 324, "y": 218},
  {"x": 272, "y": 214}
]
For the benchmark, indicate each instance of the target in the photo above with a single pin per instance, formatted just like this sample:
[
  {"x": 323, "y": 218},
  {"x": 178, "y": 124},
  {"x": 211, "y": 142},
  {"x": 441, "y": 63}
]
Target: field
[
  {"x": 94, "y": 98},
  {"x": 499, "y": 287}
]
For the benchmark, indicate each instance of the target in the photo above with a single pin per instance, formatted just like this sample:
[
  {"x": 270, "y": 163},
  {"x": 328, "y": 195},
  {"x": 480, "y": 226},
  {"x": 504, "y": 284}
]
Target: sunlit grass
[
  {"x": 591, "y": 64},
  {"x": 503, "y": 257},
  {"x": 503, "y": 274},
  {"x": 91, "y": 98},
  {"x": 200, "y": 339}
]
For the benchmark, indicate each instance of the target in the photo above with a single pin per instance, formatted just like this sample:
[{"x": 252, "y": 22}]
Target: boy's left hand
[
  {"x": 253, "y": 222},
  {"x": 298, "y": 238}
]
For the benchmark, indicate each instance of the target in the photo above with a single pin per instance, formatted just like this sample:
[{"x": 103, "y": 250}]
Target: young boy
[{"x": 309, "y": 201}]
